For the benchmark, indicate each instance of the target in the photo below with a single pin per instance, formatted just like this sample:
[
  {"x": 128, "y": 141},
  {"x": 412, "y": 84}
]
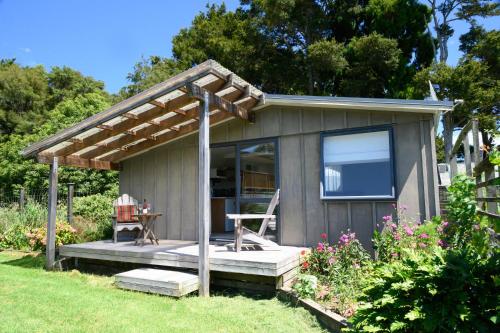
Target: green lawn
[{"x": 33, "y": 300}]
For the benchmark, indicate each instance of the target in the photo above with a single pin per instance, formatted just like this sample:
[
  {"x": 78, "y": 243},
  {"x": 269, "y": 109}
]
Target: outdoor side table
[{"x": 147, "y": 221}]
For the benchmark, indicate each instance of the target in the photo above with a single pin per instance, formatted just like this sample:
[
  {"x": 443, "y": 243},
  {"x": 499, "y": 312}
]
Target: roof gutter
[{"x": 373, "y": 104}]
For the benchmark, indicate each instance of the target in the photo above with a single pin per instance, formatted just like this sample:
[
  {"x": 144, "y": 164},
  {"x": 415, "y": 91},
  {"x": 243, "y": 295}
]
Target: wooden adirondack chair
[
  {"x": 241, "y": 233},
  {"x": 125, "y": 207}
]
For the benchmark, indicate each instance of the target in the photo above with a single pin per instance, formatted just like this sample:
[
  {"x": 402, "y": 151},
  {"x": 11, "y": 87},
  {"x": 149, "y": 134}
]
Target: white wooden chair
[
  {"x": 125, "y": 207},
  {"x": 241, "y": 233}
]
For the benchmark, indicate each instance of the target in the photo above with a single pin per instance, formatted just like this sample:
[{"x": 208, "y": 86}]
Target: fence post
[
  {"x": 477, "y": 152},
  {"x": 448, "y": 144},
  {"x": 467, "y": 158},
  {"x": 21, "y": 199},
  {"x": 71, "y": 191}
]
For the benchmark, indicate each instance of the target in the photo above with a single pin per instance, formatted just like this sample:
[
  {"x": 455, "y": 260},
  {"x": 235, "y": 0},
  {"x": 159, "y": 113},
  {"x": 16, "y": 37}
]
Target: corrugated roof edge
[{"x": 275, "y": 99}]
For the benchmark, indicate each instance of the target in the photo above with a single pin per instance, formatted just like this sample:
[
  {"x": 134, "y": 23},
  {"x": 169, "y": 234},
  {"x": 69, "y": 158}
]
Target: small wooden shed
[{"x": 340, "y": 163}]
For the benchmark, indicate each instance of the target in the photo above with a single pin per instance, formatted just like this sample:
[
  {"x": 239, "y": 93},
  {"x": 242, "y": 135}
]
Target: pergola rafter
[{"x": 103, "y": 140}]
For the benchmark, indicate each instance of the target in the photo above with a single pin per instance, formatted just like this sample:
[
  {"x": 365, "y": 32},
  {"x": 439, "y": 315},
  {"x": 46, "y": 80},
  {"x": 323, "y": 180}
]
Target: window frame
[{"x": 358, "y": 130}]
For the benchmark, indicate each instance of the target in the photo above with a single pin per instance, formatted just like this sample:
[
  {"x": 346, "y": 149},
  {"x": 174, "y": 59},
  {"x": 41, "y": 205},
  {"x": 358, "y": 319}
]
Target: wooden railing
[{"x": 485, "y": 173}]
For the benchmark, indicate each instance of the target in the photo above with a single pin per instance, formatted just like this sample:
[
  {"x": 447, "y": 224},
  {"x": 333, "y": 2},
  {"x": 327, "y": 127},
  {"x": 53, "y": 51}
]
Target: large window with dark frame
[{"x": 357, "y": 164}]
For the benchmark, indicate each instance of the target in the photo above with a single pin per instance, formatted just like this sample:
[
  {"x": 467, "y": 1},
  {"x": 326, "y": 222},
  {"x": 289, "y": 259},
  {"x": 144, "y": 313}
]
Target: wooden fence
[{"x": 485, "y": 173}]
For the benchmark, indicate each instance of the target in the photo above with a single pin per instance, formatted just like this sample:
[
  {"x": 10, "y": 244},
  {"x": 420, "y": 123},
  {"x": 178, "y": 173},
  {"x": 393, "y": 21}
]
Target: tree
[
  {"x": 445, "y": 12},
  {"x": 23, "y": 93},
  {"x": 373, "y": 62},
  {"x": 148, "y": 72},
  {"x": 300, "y": 46}
]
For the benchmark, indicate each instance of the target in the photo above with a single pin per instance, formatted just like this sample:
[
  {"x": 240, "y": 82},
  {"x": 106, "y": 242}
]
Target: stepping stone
[{"x": 158, "y": 281}]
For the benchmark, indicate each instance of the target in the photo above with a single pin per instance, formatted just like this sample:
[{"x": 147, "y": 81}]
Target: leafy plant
[
  {"x": 306, "y": 285},
  {"x": 93, "y": 216},
  {"x": 443, "y": 291},
  {"x": 461, "y": 210},
  {"x": 65, "y": 234}
]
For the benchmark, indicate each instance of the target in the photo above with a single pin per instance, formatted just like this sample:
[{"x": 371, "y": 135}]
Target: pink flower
[
  {"x": 424, "y": 236},
  {"x": 444, "y": 224},
  {"x": 397, "y": 236},
  {"x": 344, "y": 239},
  {"x": 422, "y": 245},
  {"x": 387, "y": 218},
  {"x": 303, "y": 252},
  {"x": 442, "y": 243},
  {"x": 323, "y": 235},
  {"x": 331, "y": 260},
  {"x": 305, "y": 265},
  {"x": 330, "y": 249},
  {"x": 408, "y": 230},
  {"x": 320, "y": 247},
  {"x": 394, "y": 255}
]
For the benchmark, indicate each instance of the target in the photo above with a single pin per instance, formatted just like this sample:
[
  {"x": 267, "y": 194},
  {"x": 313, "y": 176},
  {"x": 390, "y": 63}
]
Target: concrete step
[{"x": 158, "y": 281}]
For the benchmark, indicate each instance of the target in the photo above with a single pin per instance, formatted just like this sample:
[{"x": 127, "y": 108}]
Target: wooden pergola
[{"x": 194, "y": 100}]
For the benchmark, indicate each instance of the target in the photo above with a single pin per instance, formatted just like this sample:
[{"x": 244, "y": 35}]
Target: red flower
[
  {"x": 323, "y": 235},
  {"x": 305, "y": 265},
  {"x": 303, "y": 252}
]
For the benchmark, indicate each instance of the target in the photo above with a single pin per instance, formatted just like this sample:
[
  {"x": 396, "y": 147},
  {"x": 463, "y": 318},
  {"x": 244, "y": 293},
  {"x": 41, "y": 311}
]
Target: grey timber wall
[{"x": 167, "y": 176}]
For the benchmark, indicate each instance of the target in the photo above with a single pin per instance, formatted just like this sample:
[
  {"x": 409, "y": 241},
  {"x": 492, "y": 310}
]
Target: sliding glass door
[{"x": 244, "y": 174}]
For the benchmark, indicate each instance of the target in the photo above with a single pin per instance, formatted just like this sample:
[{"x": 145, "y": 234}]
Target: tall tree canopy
[{"x": 309, "y": 46}]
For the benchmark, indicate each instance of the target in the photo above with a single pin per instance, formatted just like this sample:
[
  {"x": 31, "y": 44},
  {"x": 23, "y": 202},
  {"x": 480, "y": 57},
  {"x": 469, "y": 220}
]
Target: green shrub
[
  {"x": 443, "y": 291},
  {"x": 92, "y": 216},
  {"x": 65, "y": 234},
  {"x": 306, "y": 285},
  {"x": 461, "y": 210}
]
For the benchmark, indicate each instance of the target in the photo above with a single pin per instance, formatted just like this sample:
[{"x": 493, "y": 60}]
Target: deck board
[{"x": 184, "y": 254}]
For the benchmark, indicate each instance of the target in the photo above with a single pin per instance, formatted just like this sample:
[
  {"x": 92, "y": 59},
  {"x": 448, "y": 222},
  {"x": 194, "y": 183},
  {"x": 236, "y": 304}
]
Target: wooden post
[
  {"x": 21, "y": 199},
  {"x": 71, "y": 192},
  {"x": 51, "y": 225},
  {"x": 467, "y": 158},
  {"x": 204, "y": 198},
  {"x": 448, "y": 144},
  {"x": 477, "y": 152}
]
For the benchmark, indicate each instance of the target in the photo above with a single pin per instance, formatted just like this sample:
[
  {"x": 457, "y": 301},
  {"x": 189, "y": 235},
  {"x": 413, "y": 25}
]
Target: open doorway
[{"x": 243, "y": 179}]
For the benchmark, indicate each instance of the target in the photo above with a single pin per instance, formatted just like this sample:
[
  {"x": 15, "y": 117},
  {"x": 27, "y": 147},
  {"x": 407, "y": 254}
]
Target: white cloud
[{"x": 26, "y": 49}]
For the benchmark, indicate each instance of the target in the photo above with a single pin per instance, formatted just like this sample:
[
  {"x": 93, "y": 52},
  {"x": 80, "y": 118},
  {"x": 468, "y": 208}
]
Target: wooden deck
[{"x": 184, "y": 254}]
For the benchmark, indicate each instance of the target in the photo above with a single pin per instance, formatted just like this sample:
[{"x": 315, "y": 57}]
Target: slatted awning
[{"x": 164, "y": 113}]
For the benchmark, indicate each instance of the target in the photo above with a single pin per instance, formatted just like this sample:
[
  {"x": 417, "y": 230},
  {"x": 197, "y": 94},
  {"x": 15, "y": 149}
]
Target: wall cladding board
[{"x": 303, "y": 215}]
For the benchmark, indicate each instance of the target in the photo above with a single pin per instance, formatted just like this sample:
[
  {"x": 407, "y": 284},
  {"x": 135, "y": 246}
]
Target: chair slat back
[
  {"x": 270, "y": 209},
  {"x": 125, "y": 207}
]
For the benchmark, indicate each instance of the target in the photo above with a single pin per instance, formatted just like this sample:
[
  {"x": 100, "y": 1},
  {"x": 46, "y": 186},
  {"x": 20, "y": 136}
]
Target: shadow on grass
[{"x": 27, "y": 261}]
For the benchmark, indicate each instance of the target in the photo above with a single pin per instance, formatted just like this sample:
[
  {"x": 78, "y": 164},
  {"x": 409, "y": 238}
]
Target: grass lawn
[{"x": 33, "y": 300}]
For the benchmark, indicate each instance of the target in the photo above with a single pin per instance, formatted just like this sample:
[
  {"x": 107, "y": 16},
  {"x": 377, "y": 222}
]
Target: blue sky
[{"x": 106, "y": 38}]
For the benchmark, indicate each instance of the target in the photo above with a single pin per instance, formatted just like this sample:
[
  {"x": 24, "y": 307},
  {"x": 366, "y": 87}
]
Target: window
[{"x": 357, "y": 164}]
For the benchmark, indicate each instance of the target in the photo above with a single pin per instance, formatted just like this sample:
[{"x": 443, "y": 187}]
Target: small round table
[{"x": 147, "y": 220}]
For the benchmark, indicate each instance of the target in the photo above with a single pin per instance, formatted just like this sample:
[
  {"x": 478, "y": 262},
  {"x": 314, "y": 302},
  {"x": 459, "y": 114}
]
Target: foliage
[
  {"x": 338, "y": 269},
  {"x": 400, "y": 234},
  {"x": 93, "y": 216},
  {"x": 373, "y": 61},
  {"x": 461, "y": 210},
  {"x": 447, "y": 291},
  {"x": 306, "y": 285},
  {"x": 65, "y": 234},
  {"x": 298, "y": 46}
]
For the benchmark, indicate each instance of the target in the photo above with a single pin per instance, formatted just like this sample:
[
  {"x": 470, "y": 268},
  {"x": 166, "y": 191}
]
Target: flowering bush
[
  {"x": 338, "y": 268},
  {"x": 400, "y": 233},
  {"x": 65, "y": 234}
]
